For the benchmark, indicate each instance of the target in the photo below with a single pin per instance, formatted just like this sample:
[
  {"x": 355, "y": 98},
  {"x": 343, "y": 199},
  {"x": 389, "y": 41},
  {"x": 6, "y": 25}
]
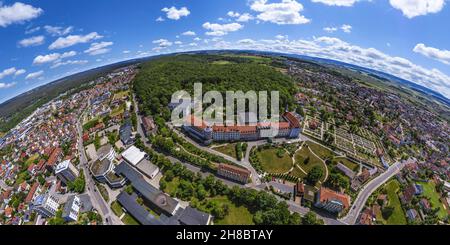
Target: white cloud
[
  {"x": 414, "y": 8},
  {"x": 337, "y": 49},
  {"x": 69, "y": 62},
  {"x": 58, "y": 30},
  {"x": 34, "y": 75},
  {"x": 68, "y": 54},
  {"x": 245, "y": 17},
  {"x": 64, "y": 42},
  {"x": 126, "y": 51},
  {"x": 330, "y": 29},
  {"x": 98, "y": 48},
  {"x": 282, "y": 13},
  {"x": 178, "y": 43},
  {"x": 17, "y": 13},
  {"x": 221, "y": 29},
  {"x": 339, "y": 3},
  {"x": 20, "y": 72},
  {"x": 7, "y": 85},
  {"x": 246, "y": 41},
  {"x": 7, "y": 72},
  {"x": 189, "y": 33},
  {"x": 163, "y": 43},
  {"x": 42, "y": 59},
  {"x": 281, "y": 37},
  {"x": 32, "y": 30},
  {"x": 160, "y": 19},
  {"x": 433, "y": 53},
  {"x": 175, "y": 14},
  {"x": 32, "y": 41},
  {"x": 54, "y": 57},
  {"x": 233, "y": 14},
  {"x": 346, "y": 28}
]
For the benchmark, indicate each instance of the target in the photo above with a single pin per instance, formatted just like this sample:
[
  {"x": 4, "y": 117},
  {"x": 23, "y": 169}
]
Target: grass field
[
  {"x": 349, "y": 164},
  {"x": 2, "y": 134},
  {"x": 129, "y": 220},
  {"x": 116, "y": 208},
  {"x": 121, "y": 94},
  {"x": 31, "y": 160},
  {"x": 429, "y": 190},
  {"x": 302, "y": 155},
  {"x": 271, "y": 163},
  {"x": 117, "y": 111},
  {"x": 172, "y": 186},
  {"x": 221, "y": 62},
  {"x": 298, "y": 173},
  {"x": 229, "y": 149},
  {"x": 398, "y": 216},
  {"x": 236, "y": 215},
  {"x": 321, "y": 151}
]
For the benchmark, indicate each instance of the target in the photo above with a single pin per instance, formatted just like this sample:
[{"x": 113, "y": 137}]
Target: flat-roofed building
[
  {"x": 66, "y": 172},
  {"x": 133, "y": 155},
  {"x": 155, "y": 198},
  {"x": 46, "y": 205},
  {"x": 106, "y": 152}
]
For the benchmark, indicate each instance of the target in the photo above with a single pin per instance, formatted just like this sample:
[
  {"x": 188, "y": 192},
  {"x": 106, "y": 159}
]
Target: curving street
[{"x": 367, "y": 190}]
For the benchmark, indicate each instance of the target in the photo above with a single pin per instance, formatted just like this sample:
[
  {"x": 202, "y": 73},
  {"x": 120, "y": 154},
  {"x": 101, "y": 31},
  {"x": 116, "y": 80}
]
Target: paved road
[
  {"x": 91, "y": 188},
  {"x": 244, "y": 163},
  {"x": 368, "y": 189}
]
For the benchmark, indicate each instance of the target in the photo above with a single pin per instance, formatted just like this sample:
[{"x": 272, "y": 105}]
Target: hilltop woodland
[{"x": 159, "y": 79}]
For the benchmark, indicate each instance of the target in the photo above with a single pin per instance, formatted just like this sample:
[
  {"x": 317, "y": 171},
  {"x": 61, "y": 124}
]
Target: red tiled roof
[
  {"x": 328, "y": 195},
  {"x": 54, "y": 157},
  {"x": 31, "y": 192},
  {"x": 234, "y": 169},
  {"x": 295, "y": 123}
]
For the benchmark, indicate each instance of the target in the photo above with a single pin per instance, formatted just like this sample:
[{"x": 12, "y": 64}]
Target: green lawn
[
  {"x": 429, "y": 190},
  {"x": 271, "y": 163},
  {"x": 172, "y": 186},
  {"x": 116, "y": 208},
  {"x": 31, "y": 160},
  {"x": 117, "y": 111},
  {"x": 398, "y": 216},
  {"x": 229, "y": 149},
  {"x": 129, "y": 220},
  {"x": 298, "y": 173},
  {"x": 349, "y": 164},
  {"x": 121, "y": 94},
  {"x": 221, "y": 62},
  {"x": 236, "y": 215},
  {"x": 302, "y": 155},
  {"x": 321, "y": 151}
]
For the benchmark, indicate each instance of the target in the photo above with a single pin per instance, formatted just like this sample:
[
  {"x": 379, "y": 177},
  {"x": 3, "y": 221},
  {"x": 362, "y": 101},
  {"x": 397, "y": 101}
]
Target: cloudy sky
[{"x": 43, "y": 40}]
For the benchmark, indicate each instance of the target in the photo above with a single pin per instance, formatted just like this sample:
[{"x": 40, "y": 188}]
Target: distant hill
[
  {"x": 380, "y": 75},
  {"x": 19, "y": 107}
]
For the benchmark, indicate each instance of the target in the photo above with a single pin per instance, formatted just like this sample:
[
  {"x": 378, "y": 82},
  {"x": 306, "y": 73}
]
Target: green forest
[{"x": 159, "y": 79}]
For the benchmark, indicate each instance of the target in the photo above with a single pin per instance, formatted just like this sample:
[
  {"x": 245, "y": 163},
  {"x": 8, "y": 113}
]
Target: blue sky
[{"x": 44, "y": 40}]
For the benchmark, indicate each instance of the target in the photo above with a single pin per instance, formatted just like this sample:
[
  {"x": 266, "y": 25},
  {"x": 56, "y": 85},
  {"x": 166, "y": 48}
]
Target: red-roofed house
[
  {"x": 332, "y": 201},
  {"x": 31, "y": 193}
]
